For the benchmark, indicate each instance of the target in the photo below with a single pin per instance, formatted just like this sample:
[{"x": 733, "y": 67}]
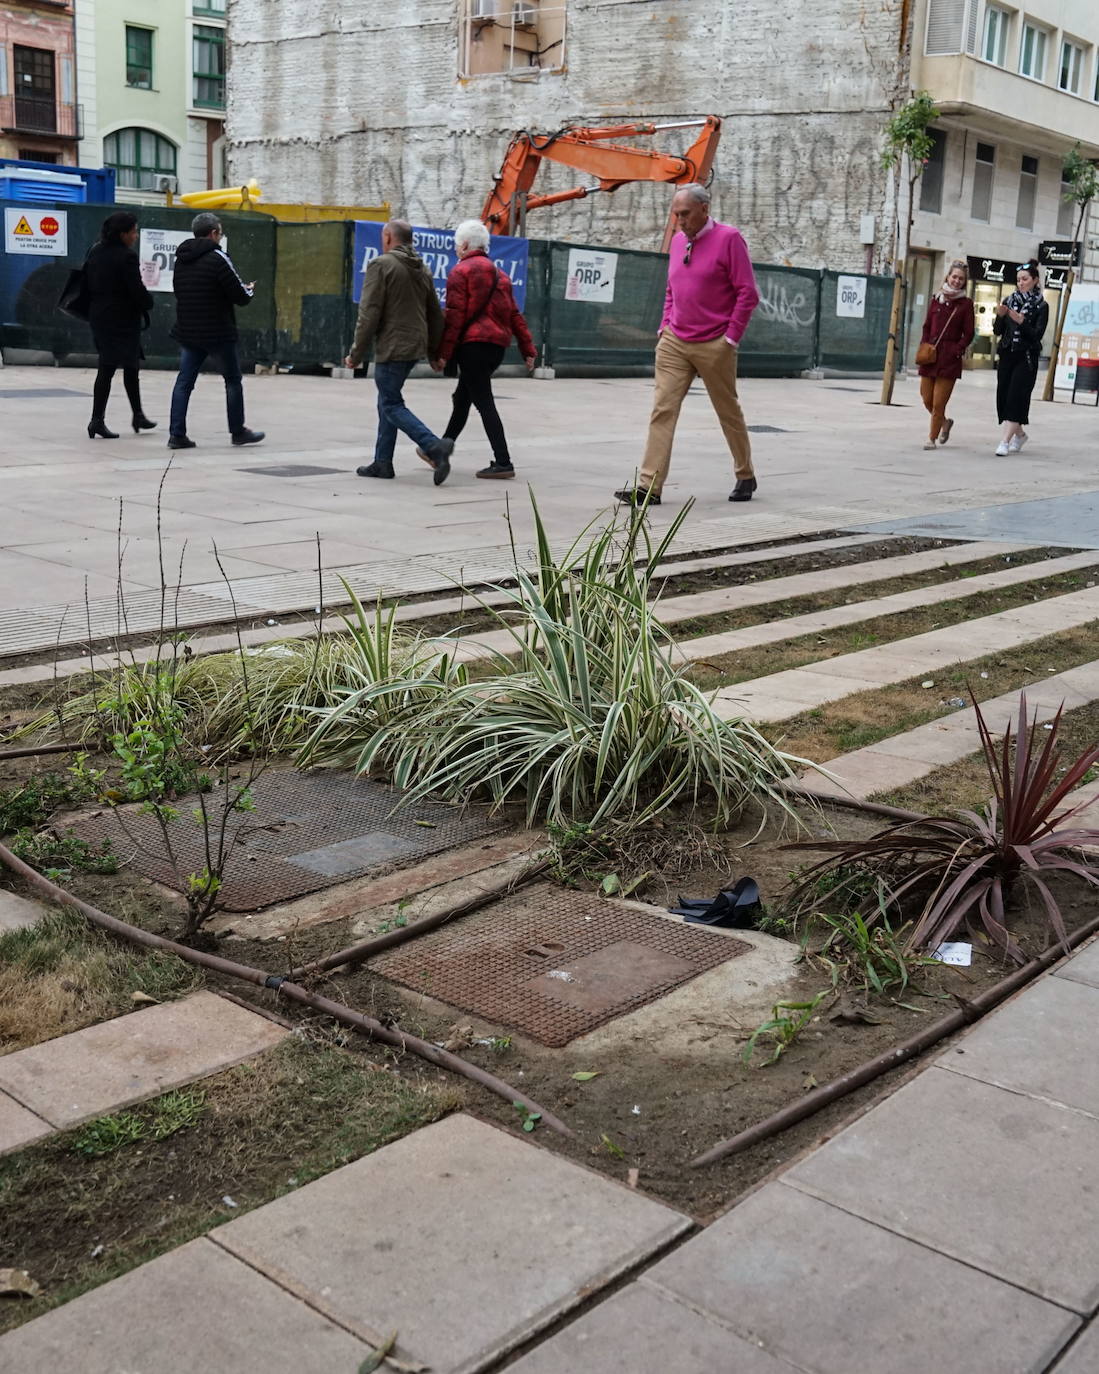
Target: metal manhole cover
[
  {"x": 555, "y": 964},
  {"x": 308, "y": 831},
  {"x": 292, "y": 470}
]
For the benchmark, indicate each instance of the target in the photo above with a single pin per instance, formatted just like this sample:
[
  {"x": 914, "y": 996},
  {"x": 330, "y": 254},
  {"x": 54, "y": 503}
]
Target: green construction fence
[{"x": 303, "y": 316}]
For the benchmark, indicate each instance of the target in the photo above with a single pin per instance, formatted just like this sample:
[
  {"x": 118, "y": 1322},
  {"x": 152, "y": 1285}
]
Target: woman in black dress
[
  {"x": 1020, "y": 324},
  {"x": 119, "y": 305}
]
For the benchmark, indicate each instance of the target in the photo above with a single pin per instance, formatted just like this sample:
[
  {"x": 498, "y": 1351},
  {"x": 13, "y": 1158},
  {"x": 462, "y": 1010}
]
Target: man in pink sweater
[{"x": 710, "y": 298}]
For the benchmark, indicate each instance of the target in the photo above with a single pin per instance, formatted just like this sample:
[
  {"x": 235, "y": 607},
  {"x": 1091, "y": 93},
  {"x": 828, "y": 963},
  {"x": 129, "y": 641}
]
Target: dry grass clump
[{"x": 60, "y": 975}]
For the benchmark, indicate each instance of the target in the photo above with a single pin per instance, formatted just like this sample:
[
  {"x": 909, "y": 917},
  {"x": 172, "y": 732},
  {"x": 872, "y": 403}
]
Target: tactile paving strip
[
  {"x": 308, "y": 831},
  {"x": 555, "y": 964}
]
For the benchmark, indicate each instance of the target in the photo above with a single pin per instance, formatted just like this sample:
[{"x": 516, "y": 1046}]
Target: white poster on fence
[
  {"x": 158, "y": 255},
  {"x": 851, "y": 297},
  {"x": 1080, "y": 337},
  {"x": 40, "y": 233},
  {"x": 591, "y": 276}
]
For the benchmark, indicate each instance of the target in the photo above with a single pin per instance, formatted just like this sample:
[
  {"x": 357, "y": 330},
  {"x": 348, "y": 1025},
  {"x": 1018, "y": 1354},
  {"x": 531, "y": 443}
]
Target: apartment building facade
[
  {"x": 39, "y": 114},
  {"x": 151, "y": 76},
  {"x": 1017, "y": 85}
]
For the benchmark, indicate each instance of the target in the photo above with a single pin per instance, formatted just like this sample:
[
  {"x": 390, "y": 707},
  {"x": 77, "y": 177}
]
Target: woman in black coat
[
  {"x": 119, "y": 305},
  {"x": 1020, "y": 324}
]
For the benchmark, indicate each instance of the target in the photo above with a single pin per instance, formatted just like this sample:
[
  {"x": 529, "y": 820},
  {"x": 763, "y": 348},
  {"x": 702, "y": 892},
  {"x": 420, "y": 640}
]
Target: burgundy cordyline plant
[{"x": 974, "y": 862}]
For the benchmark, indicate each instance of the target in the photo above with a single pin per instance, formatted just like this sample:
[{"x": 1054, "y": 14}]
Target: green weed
[
  {"x": 173, "y": 1112},
  {"x": 786, "y": 1023}
]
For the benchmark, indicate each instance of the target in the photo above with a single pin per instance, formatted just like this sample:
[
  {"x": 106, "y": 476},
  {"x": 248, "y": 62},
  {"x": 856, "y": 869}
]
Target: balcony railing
[{"x": 28, "y": 114}]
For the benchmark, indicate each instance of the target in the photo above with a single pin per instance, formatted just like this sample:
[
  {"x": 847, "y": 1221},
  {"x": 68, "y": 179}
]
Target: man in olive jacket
[{"x": 400, "y": 314}]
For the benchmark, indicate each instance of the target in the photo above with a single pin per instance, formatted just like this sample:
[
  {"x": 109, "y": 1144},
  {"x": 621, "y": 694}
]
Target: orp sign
[{"x": 851, "y": 297}]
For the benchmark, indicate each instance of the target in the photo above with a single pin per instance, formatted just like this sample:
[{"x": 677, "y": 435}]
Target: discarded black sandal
[{"x": 736, "y": 907}]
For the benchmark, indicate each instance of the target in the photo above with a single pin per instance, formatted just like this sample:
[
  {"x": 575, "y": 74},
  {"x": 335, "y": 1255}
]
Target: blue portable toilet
[
  {"x": 99, "y": 182},
  {"x": 42, "y": 187}
]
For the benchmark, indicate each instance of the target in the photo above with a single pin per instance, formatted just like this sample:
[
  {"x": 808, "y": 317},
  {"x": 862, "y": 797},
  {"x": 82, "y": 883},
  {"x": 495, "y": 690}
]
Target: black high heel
[
  {"x": 143, "y": 422},
  {"x": 97, "y": 429}
]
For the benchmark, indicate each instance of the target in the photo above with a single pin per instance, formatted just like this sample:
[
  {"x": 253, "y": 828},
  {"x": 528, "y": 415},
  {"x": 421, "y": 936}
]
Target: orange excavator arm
[{"x": 593, "y": 151}]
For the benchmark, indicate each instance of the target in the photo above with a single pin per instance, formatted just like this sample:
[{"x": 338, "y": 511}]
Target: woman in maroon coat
[
  {"x": 949, "y": 327},
  {"x": 481, "y": 317}
]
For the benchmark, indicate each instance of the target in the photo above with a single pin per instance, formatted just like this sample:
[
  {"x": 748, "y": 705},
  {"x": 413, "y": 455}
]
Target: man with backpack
[{"x": 400, "y": 314}]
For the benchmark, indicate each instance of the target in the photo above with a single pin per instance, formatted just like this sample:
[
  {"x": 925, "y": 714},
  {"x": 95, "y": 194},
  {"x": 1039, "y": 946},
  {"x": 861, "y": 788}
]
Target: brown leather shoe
[{"x": 743, "y": 489}]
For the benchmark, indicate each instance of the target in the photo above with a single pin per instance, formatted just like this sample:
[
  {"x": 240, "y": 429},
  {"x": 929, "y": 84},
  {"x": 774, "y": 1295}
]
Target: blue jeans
[
  {"x": 227, "y": 361},
  {"x": 394, "y": 415}
]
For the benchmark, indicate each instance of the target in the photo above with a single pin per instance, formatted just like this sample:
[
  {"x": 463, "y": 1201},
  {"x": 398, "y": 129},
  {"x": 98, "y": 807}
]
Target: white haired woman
[{"x": 481, "y": 318}]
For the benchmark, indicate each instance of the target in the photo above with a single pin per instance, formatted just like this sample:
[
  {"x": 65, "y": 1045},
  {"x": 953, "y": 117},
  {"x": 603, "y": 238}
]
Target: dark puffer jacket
[{"x": 207, "y": 288}]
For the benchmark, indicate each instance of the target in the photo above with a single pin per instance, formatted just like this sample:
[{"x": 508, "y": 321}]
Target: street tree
[{"x": 908, "y": 146}]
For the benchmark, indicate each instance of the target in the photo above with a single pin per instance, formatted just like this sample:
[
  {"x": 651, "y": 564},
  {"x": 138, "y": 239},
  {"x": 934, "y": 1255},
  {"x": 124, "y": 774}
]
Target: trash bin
[{"x": 1087, "y": 377}]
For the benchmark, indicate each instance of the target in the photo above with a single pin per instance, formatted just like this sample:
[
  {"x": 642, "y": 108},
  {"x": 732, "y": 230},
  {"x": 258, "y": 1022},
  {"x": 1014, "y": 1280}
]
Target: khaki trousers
[
  {"x": 935, "y": 393},
  {"x": 677, "y": 365}
]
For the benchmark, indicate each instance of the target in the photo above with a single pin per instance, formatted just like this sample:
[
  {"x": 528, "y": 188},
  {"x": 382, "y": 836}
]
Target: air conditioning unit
[
  {"x": 166, "y": 183},
  {"x": 482, "y": 9},
  {"x": 524, "y": 16}
]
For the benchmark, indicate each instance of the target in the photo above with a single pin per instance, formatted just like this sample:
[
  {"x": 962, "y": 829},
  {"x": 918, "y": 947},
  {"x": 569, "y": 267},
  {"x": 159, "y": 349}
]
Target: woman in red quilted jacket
[{"x": 481, "y": 317}]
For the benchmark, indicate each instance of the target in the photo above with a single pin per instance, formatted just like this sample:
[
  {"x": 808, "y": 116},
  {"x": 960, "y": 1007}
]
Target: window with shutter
[{"x": 946, "y": 26}]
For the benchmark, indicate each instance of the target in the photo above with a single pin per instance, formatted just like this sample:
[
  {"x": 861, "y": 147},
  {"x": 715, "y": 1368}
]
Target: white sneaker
[
  {"x": 1003, "y": 450},
  {"x": 1017, "y": 442}
]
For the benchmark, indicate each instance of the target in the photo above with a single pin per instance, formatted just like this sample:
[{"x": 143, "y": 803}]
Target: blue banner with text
[{"x": 436, "y": 247}]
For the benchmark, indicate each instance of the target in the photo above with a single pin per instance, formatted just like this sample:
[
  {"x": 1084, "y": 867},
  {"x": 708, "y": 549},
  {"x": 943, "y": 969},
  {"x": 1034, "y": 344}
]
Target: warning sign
[{"x": 41, "y": 233}]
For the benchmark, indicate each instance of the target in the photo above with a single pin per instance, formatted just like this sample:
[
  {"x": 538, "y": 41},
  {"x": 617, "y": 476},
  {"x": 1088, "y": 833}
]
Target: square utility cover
[
  {"x": 555, "y": 964},
  {"x": 308, "y": 831}
]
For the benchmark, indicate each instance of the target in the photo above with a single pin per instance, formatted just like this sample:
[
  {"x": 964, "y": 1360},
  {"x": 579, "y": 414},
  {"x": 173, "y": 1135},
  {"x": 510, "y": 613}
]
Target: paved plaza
[{"x": 827, "y": 456}]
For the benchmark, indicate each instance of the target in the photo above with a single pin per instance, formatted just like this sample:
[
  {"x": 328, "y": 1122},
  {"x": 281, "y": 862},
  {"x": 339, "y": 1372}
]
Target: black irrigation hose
[
  {"x": 283, "y": 988},
  {"x": 40, "y": 749},
  {"x": 827, "y": 1093},
  {"x": 891, "y": 813}
]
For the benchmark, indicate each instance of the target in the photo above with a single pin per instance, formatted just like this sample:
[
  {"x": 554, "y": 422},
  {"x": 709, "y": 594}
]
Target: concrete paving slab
[
  {"x": 195, "y": 1310},
  {"x": 115, "y": 1063},
  {"x": 407, "y": 1238},
  {"x": 1042, "y": 1044},
  {"x": 18, "y": 1127},
  {"x": 976, "y": 1173},
  {"x": 1082, "y": 967},
  {"x": 871, "y": 771},
  {"x": 1083, "y": 1354},
  {"x": 1069, "y": 521},
  {"x": 832, "y": 1293},
  {"x": 18, "y": 913},
  {"x": 639, "y": 1331}
]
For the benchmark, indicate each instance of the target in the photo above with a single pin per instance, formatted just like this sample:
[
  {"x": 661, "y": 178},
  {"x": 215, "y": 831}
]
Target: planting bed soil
[{"x": 652, "y": 1105}]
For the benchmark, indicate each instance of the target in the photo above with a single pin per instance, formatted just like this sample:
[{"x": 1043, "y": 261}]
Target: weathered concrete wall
[{"x": 358, "y": 101}]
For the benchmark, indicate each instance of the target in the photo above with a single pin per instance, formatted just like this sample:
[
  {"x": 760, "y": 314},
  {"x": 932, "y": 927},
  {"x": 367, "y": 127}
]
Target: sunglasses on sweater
[{"x": 687, "y": 254}]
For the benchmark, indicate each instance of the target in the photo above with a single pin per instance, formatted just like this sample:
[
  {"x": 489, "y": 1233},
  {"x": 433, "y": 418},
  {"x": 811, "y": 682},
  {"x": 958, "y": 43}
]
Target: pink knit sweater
[{"x": 715, "y": 293}]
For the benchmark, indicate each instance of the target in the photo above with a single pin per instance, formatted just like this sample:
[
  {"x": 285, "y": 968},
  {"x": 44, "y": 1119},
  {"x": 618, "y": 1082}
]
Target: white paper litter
[
  {"x": 955, "y": 952},
  {"x": 561, "y": 973}
]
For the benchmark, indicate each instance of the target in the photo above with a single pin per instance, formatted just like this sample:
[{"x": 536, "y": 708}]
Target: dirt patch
[
  {"x": 864, "y": 718},
  {"x": 723, "y": 670},
  {"x": 75, "y": 1219},
  {"x": 966, "y": 783},
  {"x": 650, "y": 1107}
]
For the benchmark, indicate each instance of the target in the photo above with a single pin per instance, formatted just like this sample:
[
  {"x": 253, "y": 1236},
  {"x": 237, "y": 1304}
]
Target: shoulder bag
[
  {"x": 928, "y": 353},
  {"x": 75, "y": 298}
]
